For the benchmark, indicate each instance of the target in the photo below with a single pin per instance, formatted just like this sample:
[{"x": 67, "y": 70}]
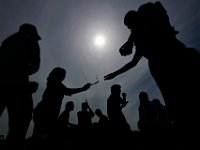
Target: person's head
[
  {"x": 144, "y": 99},
  {"x": 56, "y": 75},
  {"x": 69, "y": 106},
  {"x": 84, "y": 106},
  {"x": 116, "y": 89},
  {"x": 130, "y": 19},
  {"x": 29, "y": 29},
  {"x": 98, "y": 112}
]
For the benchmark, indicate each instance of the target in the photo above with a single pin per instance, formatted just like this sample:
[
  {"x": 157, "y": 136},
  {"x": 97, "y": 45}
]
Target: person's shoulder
[{"x": 110, "y": 98}]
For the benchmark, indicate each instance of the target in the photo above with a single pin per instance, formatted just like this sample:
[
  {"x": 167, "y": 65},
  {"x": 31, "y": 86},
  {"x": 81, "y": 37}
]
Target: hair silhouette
[{"x": 47, "y": 111}]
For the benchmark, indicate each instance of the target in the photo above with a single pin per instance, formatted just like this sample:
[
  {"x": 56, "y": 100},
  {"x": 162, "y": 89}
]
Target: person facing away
[
  {"x": 115, "y": 104},
  {"x": 85, "y": 116},
  {"x": 19, "y": 58},
  {"x": 174, "y": 67},
  {"x": 47, "y": 111}
]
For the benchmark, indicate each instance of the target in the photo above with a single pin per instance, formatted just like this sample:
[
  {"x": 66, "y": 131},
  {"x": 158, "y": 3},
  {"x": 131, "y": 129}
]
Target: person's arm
[
  {"x": 127, "y": 47},
  {"x": 70, "y": 91},
  {"x": 90, "y": 110},
  {"x": 124, "y": 101},
  {"x": 126, "y": 67}
]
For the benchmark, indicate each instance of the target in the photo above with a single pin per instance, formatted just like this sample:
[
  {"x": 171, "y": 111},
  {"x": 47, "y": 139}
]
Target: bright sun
[{"x": 99, "y": 40}]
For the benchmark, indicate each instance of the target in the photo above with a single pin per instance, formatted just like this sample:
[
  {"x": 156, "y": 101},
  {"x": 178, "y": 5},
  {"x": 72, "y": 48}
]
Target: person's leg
[{"x": 17, "y": 117}]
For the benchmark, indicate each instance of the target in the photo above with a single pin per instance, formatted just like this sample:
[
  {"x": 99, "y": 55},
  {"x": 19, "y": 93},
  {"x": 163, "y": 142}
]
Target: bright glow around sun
[{"x": 99, "y": 40}]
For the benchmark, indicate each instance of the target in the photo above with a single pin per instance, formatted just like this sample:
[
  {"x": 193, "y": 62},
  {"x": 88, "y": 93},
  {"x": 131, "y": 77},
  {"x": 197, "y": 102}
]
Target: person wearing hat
[{"x": 19, "y": 58}]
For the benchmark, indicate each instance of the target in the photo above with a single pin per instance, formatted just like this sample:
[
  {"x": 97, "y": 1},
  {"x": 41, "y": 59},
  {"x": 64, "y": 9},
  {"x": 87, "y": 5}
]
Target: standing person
[
  {"x": 85, "y": 126},
  {"x": 64, "y": 116},
  {"x": 102, "y": 123},
  {"x": 19, "y": 58},
  {"x": 47, "y": 111},
  {"x": 174, "y": 67},
  {"x": 145, "y": 122},
  {"x": 115, "y": 104},
  {"x": 66, "y": 131},
  {"x": 85, "y": 116}
]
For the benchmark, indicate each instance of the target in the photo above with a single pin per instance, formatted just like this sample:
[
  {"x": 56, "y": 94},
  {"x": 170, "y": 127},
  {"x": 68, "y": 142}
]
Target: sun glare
[{"x": 99, "y": 40}]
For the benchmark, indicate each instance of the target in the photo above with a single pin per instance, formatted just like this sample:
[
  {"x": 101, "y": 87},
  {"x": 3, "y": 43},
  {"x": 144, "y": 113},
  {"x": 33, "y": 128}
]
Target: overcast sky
[{"x": 68, "y": 29}]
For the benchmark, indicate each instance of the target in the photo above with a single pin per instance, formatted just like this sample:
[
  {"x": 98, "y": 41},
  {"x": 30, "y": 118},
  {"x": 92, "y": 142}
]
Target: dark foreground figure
[
  {"x": 173, "y": 65},
  {"x": 19, "y": 58}
]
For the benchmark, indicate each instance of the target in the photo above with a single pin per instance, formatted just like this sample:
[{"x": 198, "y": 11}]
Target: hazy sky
[{"x": 68, "y": 29}]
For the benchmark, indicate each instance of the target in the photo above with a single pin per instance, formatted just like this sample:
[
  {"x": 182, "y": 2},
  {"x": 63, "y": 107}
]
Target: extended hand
[
  {"x": 87, "y": 86},
  {"x": 109, "y": 76}
]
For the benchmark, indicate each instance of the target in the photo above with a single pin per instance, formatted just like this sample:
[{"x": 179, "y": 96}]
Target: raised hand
[{"x": 124, "y": 95}]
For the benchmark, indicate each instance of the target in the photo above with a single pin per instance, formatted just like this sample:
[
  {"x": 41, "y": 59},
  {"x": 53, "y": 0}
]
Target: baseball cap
[{"x": 29, "y": 29}]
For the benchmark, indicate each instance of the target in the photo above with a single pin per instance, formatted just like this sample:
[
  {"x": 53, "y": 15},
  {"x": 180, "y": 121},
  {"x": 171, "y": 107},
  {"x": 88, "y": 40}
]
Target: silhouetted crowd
[
  {"x": 174, "y": 67},
  {"x": 111, "y": 130}
]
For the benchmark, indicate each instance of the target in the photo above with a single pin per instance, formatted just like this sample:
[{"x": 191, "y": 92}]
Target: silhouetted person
[
  {"x": 174, "y": 67},
  {"x": 145, "y": 123},
  {"x": 85, "y": 116},
  {"x": 66, "y": 131},
  {"x": 115, "y": 104},
  {"x": 101, "y": 128},
  {"x": 102, "y": 123},
  {"x": 47, "y": 111},
  {"x": 85, "y": 126},
  {"x": 19, "y": 58},
  {"x": 151, "y": 123},
  {"x": 162, "y": 121},
  {"x": 64, "y": 116}
]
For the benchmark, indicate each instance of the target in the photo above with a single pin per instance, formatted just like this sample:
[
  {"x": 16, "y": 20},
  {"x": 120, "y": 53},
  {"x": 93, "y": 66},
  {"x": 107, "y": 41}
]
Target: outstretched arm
[
  {"x": 126, "y": 67},
  {"x": 90, "y": 110},
  {"x": 70, "y": 91}
]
